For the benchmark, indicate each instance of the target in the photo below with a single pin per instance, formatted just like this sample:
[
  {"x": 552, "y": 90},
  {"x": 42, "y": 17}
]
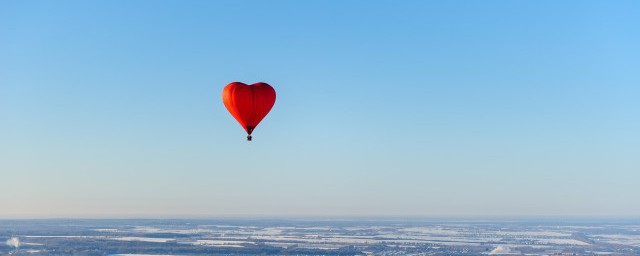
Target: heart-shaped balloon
[{"x": 248, "y": 104}]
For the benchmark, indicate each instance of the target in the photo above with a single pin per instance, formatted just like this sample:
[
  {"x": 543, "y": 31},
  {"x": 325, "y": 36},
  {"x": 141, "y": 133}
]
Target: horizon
[{"x": 565, "y": 218}]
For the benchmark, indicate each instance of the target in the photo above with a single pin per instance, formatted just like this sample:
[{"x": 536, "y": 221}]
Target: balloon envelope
[{"x": 248, "y": 104}]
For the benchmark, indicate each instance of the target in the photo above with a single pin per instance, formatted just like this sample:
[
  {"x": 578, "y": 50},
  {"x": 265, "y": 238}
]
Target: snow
[
  {"x": 531, "y": 233},
  {"x": 561, "y": 241},
  {"x": 220, "y": 242},
  {"x": 152, "y": 230},
  {"x": 427, "y": 230},
  {"x": 30, "y": 251},
  {"x": 501, "y": 250},
  {"x": 106, "y": 230},
  {"x": 631, "y": 240},
  {"x": 144, "y": 239},
  {"x": 87, "y": 237}
]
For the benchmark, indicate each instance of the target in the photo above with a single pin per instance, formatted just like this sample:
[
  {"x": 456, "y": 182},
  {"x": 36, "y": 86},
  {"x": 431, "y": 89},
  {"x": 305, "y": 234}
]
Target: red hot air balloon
[{"x": 248, "y": 104}]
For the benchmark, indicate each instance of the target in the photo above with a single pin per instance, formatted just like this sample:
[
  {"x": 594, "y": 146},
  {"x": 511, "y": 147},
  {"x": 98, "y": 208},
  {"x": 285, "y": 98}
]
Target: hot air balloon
[{"x": 248, "y": 104}]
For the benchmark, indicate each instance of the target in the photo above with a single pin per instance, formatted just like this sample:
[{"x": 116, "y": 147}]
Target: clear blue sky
[{"x": 113, "y": 108}]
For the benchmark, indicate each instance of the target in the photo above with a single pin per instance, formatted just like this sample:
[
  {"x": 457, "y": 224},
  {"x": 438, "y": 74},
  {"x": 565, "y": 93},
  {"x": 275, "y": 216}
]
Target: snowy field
[{"x": 201, "y": 237}]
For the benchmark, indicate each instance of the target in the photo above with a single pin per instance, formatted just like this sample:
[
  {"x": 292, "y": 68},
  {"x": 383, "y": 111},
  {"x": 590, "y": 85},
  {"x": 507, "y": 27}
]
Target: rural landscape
[{"x": 321, "y": 237}]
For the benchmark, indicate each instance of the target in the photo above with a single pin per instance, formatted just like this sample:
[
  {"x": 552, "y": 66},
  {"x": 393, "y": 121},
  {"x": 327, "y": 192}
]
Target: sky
[{"x": 384, "y": 108}]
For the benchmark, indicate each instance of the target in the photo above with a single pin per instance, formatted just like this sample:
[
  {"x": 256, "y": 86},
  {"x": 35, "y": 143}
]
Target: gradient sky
[{"x": 113, "y": 108}]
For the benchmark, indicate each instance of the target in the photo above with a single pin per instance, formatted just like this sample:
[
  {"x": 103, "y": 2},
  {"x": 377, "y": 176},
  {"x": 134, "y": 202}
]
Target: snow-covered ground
[
  {"x": 144, "y": 239},
  {"x": 631, "y": 240}
]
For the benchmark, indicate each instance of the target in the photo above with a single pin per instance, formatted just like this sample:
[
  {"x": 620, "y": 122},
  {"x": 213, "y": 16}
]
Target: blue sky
[{"x": 421, "y": 108}]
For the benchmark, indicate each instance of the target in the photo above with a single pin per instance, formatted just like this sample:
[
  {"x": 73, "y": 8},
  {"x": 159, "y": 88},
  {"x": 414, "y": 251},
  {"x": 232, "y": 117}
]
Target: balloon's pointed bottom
[{"x": 248, "y": 137}]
